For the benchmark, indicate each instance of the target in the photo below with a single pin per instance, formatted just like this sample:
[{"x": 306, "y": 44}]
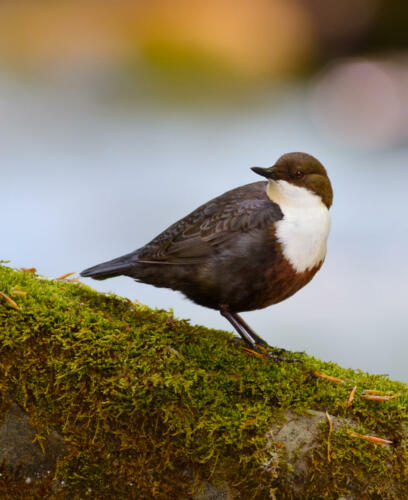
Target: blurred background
[{"x": 118, "y": 118}]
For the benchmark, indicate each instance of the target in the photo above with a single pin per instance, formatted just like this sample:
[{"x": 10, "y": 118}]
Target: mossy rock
[{"x": 149, "y": 406}]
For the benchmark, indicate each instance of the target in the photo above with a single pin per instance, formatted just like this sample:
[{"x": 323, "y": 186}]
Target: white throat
[{"x": 305, "y": 226}]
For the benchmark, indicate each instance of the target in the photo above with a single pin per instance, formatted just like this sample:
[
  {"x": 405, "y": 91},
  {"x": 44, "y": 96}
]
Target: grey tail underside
[{"x": 115, "y": 267}]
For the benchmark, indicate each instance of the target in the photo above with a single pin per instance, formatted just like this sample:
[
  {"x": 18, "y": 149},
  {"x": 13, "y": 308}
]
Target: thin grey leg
[
  {"x": 258, "y": 340},
  {"x": 238, "y": 327}
]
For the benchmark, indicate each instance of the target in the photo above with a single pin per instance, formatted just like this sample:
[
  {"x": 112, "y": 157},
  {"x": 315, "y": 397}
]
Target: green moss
[{"x": 151, "y": 406}]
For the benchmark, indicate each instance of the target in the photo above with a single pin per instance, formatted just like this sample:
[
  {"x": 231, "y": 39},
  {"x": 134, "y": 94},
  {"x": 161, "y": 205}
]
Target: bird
[{"x": 249, "y": 248}]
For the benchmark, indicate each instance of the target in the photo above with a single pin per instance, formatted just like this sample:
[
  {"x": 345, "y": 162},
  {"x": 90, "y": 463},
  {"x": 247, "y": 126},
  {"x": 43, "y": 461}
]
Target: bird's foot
[
  {"x": 279, "y": 354},
  {"x": 279, "y": 359},
  {"x": 264, "y": 351}
]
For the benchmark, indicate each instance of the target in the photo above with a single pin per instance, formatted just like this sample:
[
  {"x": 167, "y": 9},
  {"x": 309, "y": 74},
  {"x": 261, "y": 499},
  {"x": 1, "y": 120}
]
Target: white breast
[{"x": 305, "y": 226}]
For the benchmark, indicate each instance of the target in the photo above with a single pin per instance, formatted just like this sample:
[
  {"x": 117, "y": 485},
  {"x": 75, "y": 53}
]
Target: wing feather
[{"x": 216, "y": 223}]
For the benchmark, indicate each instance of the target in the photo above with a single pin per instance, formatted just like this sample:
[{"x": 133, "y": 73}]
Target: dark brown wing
[{"x": 201, "y": 233}]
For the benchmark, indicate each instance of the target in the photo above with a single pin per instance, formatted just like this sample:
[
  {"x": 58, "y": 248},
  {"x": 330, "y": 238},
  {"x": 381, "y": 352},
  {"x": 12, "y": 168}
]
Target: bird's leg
[
  {"x": 238, "y": 327},
  {"x": 255, "y": 343},
  {"x": 257, "y": 339}
]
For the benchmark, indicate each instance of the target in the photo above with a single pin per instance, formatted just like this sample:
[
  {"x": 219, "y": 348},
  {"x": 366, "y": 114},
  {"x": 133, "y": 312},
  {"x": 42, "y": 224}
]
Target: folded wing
[{"x": 201, "y": 233}]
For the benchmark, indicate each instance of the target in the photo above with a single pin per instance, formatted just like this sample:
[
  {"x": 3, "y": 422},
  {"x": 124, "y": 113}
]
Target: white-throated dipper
[{"x": 251, "y": 247}]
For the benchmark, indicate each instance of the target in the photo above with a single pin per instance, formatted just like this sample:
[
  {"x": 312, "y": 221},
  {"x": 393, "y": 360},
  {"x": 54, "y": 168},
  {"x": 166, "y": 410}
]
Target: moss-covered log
[{"x": 142, "y": 405}]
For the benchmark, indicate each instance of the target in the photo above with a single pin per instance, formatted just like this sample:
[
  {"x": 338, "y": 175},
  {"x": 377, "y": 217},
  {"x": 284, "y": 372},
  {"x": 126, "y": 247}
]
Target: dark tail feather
[{"x": 109, "y": 269}]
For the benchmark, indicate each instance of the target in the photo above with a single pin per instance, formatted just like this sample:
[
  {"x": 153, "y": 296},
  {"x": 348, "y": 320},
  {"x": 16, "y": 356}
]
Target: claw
[
  {"x": 264, "y": 351},
  {"x": 275, "y": 357}
]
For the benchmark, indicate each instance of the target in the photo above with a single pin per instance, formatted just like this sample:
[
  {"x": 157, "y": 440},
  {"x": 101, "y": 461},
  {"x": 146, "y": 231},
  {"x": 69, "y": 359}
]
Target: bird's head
[{"x": 301, "y": 170}]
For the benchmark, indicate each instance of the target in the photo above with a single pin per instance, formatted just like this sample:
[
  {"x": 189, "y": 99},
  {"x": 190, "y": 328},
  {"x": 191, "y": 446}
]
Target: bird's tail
[{"x": 111, "y": 268}]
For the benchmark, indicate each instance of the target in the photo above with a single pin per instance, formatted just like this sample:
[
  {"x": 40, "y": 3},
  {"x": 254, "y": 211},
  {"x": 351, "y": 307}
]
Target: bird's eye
[{"x": 299, "y": 174}]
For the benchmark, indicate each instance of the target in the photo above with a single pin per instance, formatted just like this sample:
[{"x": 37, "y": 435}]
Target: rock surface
[{"x": 20, "y": 451}]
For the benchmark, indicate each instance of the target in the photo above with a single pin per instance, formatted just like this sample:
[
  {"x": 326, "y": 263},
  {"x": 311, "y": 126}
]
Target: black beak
[{"x": 265, "y": 172}]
